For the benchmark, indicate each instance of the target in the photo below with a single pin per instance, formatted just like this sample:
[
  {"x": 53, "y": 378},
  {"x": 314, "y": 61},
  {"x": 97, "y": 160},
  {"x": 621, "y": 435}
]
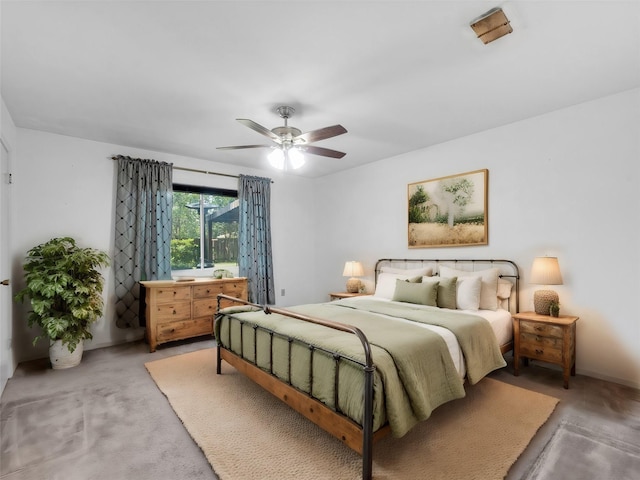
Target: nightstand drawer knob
[{"x": 539, "y": 352}]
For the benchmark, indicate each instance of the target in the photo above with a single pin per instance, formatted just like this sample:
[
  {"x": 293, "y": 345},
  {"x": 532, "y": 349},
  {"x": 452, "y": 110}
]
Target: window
[{"x": 204, "y": 233}]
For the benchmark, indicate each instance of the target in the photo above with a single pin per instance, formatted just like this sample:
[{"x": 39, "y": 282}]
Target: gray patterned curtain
[
  {"x": 254, "y": 238},
  {"x": 144, "y": 200}
]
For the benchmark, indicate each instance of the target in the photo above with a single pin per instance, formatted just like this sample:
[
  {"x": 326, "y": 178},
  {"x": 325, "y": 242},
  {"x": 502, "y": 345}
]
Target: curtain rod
[{"x": 207, "y": 172}]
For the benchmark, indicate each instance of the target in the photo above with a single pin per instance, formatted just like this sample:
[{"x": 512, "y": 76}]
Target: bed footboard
[{"x": 356, "y": 437}]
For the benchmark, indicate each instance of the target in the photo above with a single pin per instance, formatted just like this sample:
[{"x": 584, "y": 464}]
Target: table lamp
[
  {"x": 545, "y": 271},
  {"x": 353, "y": 269}
]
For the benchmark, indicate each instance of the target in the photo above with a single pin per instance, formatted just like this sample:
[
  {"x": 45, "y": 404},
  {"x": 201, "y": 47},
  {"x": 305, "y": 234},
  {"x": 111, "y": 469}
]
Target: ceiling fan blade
[
  {"x": 320, "y": 134},
  {"x": 260, "y": 129},
  {"x": 238, "y": 147},
  {"x": 325, "y": 152}
]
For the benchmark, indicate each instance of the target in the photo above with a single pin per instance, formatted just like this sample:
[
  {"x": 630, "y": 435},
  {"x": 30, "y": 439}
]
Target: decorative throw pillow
[
  {"x": 504, "y": 289},
  {"x": 386, "y": 284},
  {"x": 423, "y": 272},
  {"x": 489, "y": 281},
  {"x": 447, "y": 292},
  {"x": 420, "y": 293},
  {"x": 468, "y": 292}
]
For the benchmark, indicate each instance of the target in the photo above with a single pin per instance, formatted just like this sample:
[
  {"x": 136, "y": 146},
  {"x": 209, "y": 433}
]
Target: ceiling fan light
[
  {"x": 276, "y": 158},
  {"x": 296, "y": 158}
]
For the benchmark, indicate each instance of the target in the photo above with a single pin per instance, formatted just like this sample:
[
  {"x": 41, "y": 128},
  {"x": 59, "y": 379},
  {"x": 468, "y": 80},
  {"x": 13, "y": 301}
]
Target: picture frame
[{"x": 449, "y": 211}]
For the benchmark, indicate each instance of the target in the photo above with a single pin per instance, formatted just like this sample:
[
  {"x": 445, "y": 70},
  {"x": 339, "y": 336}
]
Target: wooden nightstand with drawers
[{"x": 547, "y": 339}]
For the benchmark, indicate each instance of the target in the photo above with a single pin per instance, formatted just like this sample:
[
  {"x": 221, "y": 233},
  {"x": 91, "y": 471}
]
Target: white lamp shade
[
  {"x": 353, "y": 269},
  {"x": 546, "y": 271}
]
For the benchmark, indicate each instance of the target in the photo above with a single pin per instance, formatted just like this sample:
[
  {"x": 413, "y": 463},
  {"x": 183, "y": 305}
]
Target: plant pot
[{"x": 62, "y": 358}]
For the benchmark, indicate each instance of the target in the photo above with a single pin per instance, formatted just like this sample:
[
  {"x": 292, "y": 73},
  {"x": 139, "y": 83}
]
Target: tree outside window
[{"x": 204, "y": 233}]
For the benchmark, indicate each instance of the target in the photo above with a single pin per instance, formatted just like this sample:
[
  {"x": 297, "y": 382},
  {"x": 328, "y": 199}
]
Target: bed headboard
[{"x": 508, "y": 270}]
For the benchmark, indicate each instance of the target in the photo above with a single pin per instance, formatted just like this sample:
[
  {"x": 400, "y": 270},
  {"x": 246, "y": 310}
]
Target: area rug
[
  {"x": 584, "y": 452},
  {"x": 246, "y": 433}
]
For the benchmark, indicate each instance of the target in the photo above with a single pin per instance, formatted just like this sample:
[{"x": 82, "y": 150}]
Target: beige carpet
[{"x": 246, "y": 433}]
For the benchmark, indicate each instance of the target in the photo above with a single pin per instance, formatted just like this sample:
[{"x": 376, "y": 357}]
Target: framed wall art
[{"x": 449, "y": 211}]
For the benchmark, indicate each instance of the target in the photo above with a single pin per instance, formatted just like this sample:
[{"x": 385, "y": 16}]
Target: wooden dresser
[
  {"x": 176, "y": 310},
  {"x": 545, "y": 338}
]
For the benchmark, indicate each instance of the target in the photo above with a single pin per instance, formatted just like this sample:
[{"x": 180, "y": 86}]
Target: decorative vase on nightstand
[{"x": 554, "y": 309}]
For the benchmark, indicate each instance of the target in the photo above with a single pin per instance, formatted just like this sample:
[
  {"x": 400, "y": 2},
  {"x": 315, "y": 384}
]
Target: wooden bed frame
[{"x": 358, "y": 438}]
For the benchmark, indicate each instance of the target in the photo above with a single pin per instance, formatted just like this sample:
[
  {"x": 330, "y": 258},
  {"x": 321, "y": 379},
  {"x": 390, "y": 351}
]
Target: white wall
[
  {"x": 563, "y": 184},
  {"x": 65, "y": 186}
]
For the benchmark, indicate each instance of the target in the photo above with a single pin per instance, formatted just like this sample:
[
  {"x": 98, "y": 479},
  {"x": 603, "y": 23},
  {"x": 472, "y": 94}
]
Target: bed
[{"x": 364, "y": 367}]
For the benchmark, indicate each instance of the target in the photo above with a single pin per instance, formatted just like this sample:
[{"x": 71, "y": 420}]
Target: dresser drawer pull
[
  {"x": 174, "y": 312},
  {"x": 539, "y": 352}
]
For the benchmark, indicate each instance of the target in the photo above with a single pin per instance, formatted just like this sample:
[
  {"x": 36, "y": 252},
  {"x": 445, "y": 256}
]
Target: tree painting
[
  {"x": 457, "y": 194},
  {"x": 449, "y": 211}
]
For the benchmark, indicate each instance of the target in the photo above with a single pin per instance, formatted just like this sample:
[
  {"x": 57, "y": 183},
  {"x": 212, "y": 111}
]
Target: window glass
[{"x": 204, "y": 237}]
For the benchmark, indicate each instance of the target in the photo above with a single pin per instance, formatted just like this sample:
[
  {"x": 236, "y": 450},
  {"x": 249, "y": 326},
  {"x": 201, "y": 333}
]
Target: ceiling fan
[{"x": 290, "y": 142}]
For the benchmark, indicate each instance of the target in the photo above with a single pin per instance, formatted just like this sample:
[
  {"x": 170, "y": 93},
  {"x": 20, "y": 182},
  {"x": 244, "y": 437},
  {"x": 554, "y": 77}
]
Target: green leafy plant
[
  {"x": 554, "y": 308},
  {"x": 65, "y": 289}
]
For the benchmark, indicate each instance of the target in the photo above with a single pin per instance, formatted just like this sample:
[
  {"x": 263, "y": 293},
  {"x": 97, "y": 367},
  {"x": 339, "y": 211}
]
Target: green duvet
[{"x": 414, "y": 370}]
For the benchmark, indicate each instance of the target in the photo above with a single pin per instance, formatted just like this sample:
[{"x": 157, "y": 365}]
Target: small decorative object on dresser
[
  {"x": 547, "y": 339},
  {"x": 184, "y": 308}
]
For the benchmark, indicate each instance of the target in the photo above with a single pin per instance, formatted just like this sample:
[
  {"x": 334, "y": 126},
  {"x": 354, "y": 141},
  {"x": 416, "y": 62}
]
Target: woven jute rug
[{"x": 246, "y": 433}]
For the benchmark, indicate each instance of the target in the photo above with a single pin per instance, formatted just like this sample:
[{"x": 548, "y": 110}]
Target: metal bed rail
[{"x": 367, "y": 366}]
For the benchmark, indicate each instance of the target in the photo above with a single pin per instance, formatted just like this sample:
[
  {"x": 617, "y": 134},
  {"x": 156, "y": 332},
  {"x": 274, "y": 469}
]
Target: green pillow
[
  {"x": 447, "y": 292},
  {"x": 420, "y": 293}
]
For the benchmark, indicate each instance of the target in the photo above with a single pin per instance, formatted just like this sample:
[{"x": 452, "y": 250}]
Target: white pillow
[
  {"x": 415, "y": 272},
  {"x": 386, "y": 285},
  {"x": 468, "y": 290},
  {"x": 489, "y": 291},
  {"x": 504, "y": 289}
]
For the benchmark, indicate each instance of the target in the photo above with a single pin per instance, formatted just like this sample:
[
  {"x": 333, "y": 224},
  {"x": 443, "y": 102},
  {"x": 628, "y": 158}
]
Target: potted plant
[
  {"x": 554, "y": 308},
  {"x": 65, "y": 289}
]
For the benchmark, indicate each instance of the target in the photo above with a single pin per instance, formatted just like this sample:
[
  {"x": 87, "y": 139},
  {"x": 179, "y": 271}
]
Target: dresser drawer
[
  {"x": 205, "y": 291},
  {"x": 224, "y": 303},
  {"x": 236, "y": 290},
  {"x": 172, "y": 294},
  {"x": 205, "y": 306},
  {"x": 169, "y": 312},
  {"x": 540, "y": 352},
  {"x": 547, "y": 342},
  {"x": 541, "y": 329},
  {"x": 184, "y": 329}
]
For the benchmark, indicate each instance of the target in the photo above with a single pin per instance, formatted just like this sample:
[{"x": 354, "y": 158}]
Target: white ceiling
[{"x": 172, "y": 76}]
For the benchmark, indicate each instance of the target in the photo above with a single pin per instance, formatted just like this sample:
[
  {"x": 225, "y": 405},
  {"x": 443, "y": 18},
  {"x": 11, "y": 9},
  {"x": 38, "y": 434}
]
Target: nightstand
[
  {"x": 339, "y": 295},
  {"x": 545, "y": 338}
]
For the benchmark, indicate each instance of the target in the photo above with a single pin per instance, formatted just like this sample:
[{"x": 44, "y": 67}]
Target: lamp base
[
  {"x": 353, "y": 285},
  {"x": 542, "y": 301}
]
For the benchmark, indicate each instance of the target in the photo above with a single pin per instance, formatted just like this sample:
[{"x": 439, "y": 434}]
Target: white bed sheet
[{"x": 500, "y": 321}]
